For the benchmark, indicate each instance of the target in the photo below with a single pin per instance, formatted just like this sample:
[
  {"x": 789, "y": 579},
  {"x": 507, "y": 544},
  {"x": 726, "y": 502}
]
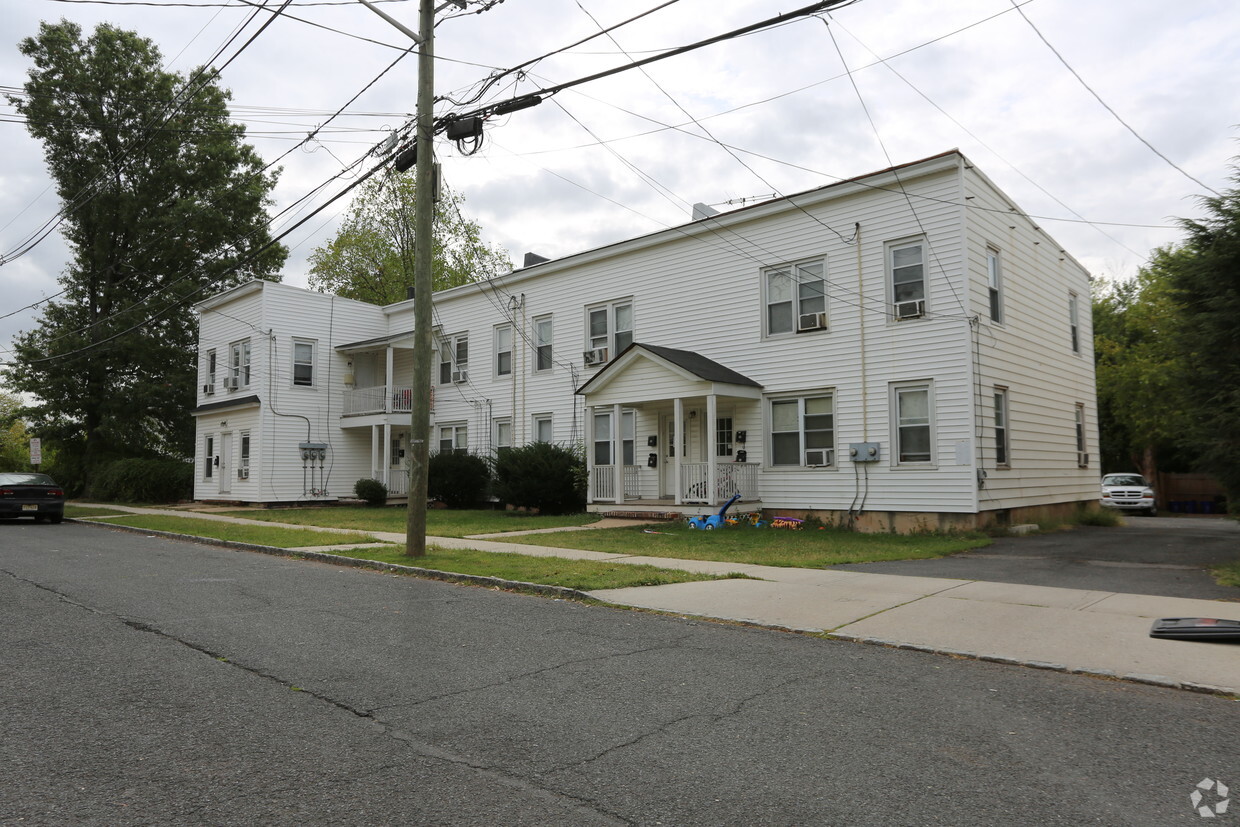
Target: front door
[
  {"x": 689, "y": 448},
  {"x": 225, "y": 463}
]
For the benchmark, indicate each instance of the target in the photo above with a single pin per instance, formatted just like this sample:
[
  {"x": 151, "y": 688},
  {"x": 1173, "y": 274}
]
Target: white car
[{"x": 1128, "y": 492}]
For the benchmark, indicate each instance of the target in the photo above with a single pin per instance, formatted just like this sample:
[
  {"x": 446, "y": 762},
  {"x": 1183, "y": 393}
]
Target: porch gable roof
[{"x": 693, "y": 368}]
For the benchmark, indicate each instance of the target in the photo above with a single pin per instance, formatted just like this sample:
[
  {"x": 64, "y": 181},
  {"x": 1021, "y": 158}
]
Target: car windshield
[
  {"x": 1123, "y": 479},
  {"x": 25, "y": 479}
]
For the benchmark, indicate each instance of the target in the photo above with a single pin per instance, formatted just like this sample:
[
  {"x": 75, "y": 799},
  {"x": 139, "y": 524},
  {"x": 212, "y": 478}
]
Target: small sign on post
[{"x": 36, "y": 451}]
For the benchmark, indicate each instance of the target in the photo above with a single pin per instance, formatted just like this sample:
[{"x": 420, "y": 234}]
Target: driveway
[{"x": 1168, "y": 556}]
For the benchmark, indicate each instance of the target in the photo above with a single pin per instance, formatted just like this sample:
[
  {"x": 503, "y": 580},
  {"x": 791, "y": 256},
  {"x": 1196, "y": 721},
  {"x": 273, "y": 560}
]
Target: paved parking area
[{"x": 1168, "y": 556}]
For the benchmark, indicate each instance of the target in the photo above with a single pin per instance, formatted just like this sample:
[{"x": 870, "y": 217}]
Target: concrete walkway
[{"x": 1088, "y": 632}]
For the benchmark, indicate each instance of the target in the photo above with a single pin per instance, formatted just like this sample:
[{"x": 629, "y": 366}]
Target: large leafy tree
[
  {"x": 371, "y": 256},
  {"x": 162, "y": 203}
]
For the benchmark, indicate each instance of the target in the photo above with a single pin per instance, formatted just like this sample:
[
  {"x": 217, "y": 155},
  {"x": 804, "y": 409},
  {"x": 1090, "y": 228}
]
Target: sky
[{"x": 1105, "y": 119}]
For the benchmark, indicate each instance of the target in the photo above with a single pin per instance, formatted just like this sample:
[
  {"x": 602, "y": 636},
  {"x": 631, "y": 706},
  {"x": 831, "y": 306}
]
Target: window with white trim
[
  {"x": 724, "y": 435},
  {"x": 244, "y": 466},
  {"x": 1074, "y": 316},
  {"x": 609, "y": 330},
  {"x": 239, "y": 363},
  {"x": 906, "y": 269},
  {"x": 1002, "y": 456},
  {"x": 994, "y": 284},
  {"x": 303, "y": 362},
  {"x": 795, "y": 297},
  {"x": 502, "y": 432},
  {"x": 913, "y": 423},
  {"x": 542, "y": 344},
  {"x": 210, "y": 458},
  {"x": 453, "y": 358},
  {"x": 503, "y": 350},
  {"x": 209, "y": 381},
  {"x": 454, "y": 437},
  {"x": 542, "y": 428},
  {"x": 601, "y": 438},
  {"x": 1082, "y": 455},
  {"x": 803, "y": 431},
  {"x": 628, "y": 434}
]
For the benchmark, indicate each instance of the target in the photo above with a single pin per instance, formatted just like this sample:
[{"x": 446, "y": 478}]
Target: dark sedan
[{"x": 31, "y": 495}]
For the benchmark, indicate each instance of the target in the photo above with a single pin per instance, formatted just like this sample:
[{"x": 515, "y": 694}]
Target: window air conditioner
[
  {"x": 818, "y": 456},
  {"x": 1082, "y": 459},
  {"x": 597, "y": 356},
  {"x": 811, "y": 321},
  {"x": 243, "y": 473},
  {"x": 910, "y": 310},
  {"x": 208, "y": 389},
  {"x": 460, "y": 377},
  {"x": 230, "y": 384}
]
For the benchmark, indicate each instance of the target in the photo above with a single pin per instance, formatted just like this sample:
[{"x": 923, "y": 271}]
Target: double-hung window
[
  {"x": 542, "y": 344},
  {"x": 454, "y": 359},
  {"x": 210, "y": 458},
  {"x": 601, "y": 439},
  {"x": 453, "y": 437},
  {"x": 243, "y": 470},
  {"x": 796, "y": 297},
  {"x": 503, "y": 350},
  {"x": 209, "y": 382},
  {"x": 1074, "y": 318},
  {"x": 543, "y": 431},
  {"x": 503, "y": 433},
  {"x": 610, "y": 330},
  {"x": 1002, "y": 458},
  {"x": 912, "y": 406},
  {"x": 803, "y": 431},
  {"x": 239, "y": 363},
  {"x": 994, "y": 285},
  {"x": 1082, "y": 455},
  {"x": 303, "y": 362},
  {"x": 906, "y": 266}
]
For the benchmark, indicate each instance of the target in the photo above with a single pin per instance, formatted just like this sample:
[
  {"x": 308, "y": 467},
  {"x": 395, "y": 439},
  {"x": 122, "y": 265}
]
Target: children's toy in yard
[
  {"x": 788, "y": 522},
  {"x": 713, "y": 521}
]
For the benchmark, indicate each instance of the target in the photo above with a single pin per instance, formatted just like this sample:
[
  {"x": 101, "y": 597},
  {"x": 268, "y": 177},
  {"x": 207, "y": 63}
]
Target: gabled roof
[
  {"x": 688, "y": 364},
  {"x": 379, "y": 340}
]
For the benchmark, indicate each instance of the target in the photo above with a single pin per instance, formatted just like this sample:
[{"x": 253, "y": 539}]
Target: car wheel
[
  {"x": 1153, "y": 512},
  {"x": 56, "y": 518}
]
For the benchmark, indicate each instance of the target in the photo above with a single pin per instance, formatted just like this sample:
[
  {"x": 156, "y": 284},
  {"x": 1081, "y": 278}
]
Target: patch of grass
[
  {"x": 1227, "y": 574},
  {"x": 439, "y": 522},
  {"x": 86, "y": 511},
  {"x": 583, "y": 575},
  {"x": 761, "y": 546},
  {"x": 1098, "y": 516},
  {"x": 257, "y": 535}
]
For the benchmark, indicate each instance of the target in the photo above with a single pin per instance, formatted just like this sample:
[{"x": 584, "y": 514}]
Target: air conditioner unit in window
[
  {"x": 910, "y": 310},
  {"x": 230, "y": 384},
  {"x": 460, "y": 377},
  {"x": 597, "y": 356},
  {"x": 818, "y": 456},
  {"x": 243, "y": 473},
  {"x": 811, "y": 321},
  {"x": 1082, "y": 459},
  {"x": 208, "y": 389}
]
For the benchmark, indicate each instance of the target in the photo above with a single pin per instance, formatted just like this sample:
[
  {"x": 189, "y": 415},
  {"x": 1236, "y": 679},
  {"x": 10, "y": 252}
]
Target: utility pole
[{"x": 423, "y": 228}]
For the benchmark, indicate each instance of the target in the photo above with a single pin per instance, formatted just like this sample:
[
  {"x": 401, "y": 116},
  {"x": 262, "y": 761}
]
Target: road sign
[{"x": 36, "y": 451}]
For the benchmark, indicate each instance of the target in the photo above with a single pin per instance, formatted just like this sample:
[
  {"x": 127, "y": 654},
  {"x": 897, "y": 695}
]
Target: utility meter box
[
  {"x": 313, "y": 450},
  {"x": 864, "y": 452}
]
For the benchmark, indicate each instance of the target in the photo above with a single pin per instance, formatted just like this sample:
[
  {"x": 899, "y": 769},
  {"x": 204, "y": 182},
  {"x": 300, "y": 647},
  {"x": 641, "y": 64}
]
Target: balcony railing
[{"x": 359, "y": 401}]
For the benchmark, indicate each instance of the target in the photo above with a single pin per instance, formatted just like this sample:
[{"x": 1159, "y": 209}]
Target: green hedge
[
  {"x": 373, "y": 492},
  {"x": 144, "y": 481},
  {"x": 459, "y": 479},
  {"x": 541, "y": 475}
]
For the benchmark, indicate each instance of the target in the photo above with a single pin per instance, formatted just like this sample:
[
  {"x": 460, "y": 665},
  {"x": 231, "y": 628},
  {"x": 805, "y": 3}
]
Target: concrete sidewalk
[{"x": 1088, "y": 632}]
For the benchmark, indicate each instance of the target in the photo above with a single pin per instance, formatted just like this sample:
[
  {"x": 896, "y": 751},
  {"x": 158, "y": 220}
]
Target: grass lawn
[
  {"x": 85, "y": 511},
  {"x": 439, "y": 522},
  {"x": 1227, "y": 574},
  {"x": 255, "y": 534},
  {"x": 584, "y": 575},
  {"x": 762, "y": 546}
]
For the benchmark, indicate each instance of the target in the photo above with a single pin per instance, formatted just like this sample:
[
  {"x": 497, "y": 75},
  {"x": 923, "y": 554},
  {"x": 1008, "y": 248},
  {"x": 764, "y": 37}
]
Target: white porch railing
[
  {"x": 731, "y": 478},
  {"x": 358, "y": 401},
  {"x": 398, "y": 482},
  {"x": 603, "y": 483}
]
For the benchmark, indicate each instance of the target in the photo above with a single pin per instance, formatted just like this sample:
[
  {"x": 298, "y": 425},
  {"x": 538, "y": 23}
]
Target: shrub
[
  {"x": 372, "y": 492},
  {"x": 144, "y": 480},
  {"x": 460, "y": 480},
  {"x": 543, "y": 476}
]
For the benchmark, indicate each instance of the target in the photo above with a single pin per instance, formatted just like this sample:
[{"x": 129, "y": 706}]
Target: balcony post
[
  {"x": 677, "y": 446},
  {"x": 589, "y": 431},
  {"x": 387, "y": 382}
]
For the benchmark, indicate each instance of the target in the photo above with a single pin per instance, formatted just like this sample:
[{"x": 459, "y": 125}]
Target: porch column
[
  {"x": 388, "y": 391},
  {"x": 589, "y": 432},
  {"x": 617, "y": 452},
  {"x": 712, "y": 464},
  {"x": 374, "y": 452},
  {"x": 383, "y": 454},
  {"x": 678, "y": 444}
]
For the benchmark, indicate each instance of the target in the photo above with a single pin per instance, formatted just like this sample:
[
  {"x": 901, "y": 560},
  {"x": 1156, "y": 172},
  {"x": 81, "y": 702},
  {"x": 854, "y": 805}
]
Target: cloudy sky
[{"x": 772, "y": 112}]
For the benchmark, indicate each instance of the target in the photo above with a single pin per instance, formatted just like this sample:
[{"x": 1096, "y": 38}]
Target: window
[
  {"x": 803, "y": 431},
  {"x": 1082, "y": 458},
  {"x": 628, "y": 431},
  {"x": 239, "y": 363},
  {"x": 210, "y": 379},
  {"x": 542, "y": 428},
  {"x": 906, "y": 264},
  {"x": 503, "y": 433},
  {"x": 453, "y": 358},
  {"x": 912, "y": 405},
  {"x": 542, "y": 344},
  {"x": 601, "y": 437},
  {"x": 454, "y": 438},
  {"x": 303, "y": 362},
  {"x": 796, "y": 298},
  {"x": 1001, "y": 427},
  {"x": 503, "y": 350},
  {"x": 723, "y": 436},
  {"x": 994, "y": 285},
  {"x": 244, "y": 467},
  {"x": 1074, "y": 312},
  {"x": 210, "y": 468},
  {"x": 610, "y": 330}
]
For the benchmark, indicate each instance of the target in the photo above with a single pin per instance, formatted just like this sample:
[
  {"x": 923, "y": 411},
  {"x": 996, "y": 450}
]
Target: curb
[{"x": 562, "y": 592}]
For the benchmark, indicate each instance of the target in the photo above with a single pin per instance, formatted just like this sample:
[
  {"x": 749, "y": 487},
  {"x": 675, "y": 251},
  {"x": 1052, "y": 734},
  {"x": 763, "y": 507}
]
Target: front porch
[{"x": 693, "y": 485}]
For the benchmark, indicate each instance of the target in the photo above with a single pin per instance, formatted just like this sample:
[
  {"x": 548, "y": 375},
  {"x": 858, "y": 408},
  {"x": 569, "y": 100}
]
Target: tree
[
  {"x": 371, "y": 256},
  {"x": 162, "y": 204},
  {"x": 14, "y": 438},
  {"x": 1205, "y": 282}
]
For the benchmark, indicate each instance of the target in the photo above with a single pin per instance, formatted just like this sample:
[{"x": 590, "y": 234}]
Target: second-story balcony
[{"x": 380, "y": 399}]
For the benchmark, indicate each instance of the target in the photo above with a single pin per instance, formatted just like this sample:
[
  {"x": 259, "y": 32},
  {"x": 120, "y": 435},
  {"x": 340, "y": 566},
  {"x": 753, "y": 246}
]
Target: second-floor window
[
  {"x": 303, "y": 362},
  {"x": 796, "y": 298},
  {"x": 239, "y": 363},
  {"x": 1074, "y": 313},
  {"x": 609, "y": 331},
  {"x": 906, "y": 267},
  {"x": 453, "y": 359},
  {"x": 210, "y": 378},
  {"x": 994, "y": 285},
  {"x": 542, "y": 344},
  {"x": 503, "y": 350}
]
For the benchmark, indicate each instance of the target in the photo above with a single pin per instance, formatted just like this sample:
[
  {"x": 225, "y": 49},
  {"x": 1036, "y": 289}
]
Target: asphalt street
[
  {"x": 1168, "y": 556},
  {"x": 149, "y": 681}
]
